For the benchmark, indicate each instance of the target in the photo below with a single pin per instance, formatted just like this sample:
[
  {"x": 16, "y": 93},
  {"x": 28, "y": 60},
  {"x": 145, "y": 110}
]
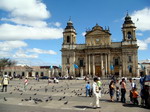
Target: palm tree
[{"x": 6, "y": 62}]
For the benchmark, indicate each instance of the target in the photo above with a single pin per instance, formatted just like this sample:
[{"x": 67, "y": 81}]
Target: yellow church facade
[{"x": 99, "y": 56}]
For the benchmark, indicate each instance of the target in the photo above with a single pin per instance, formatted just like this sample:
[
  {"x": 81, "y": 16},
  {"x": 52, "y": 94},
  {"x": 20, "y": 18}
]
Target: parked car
[
  {"x": 80, "y": 78},
  {"x": 44, "y": 77}
]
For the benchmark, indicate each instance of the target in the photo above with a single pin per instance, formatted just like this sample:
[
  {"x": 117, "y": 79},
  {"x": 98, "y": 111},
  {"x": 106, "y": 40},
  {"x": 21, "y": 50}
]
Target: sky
[{"x": 31, "y": 30}]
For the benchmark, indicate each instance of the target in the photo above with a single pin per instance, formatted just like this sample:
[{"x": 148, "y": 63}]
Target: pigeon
[
  {"x": 66, "y": 102},
  {"x": 5, "y": 99},
  {"x": 46, "y": 89},
  {"x": 46, "y": 100},
  {"x": 35, "y": 102},
  {"x": 64, "y": 97},
  {"x": 30, "y": 98},
  {"x": 35, "y": 93},
  {"x": 30, "y": 88},
  {"x": 10, "y": 93},
  {"x": 22, "y": 100},
  {"x": 26, "y": 99},
  {"x": 21, "y": 93},
  {"x": 60, "y": 99}
]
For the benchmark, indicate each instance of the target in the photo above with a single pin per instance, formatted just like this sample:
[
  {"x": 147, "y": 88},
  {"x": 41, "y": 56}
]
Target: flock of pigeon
[{"x": 64, "y": 92}]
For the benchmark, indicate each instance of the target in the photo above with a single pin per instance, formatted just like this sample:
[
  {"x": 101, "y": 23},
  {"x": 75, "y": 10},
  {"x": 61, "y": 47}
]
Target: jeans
[
  {"x": 87, "y": 92},
  {"x": 123, "y": 93},
  {"x": 4, "y": 86}
]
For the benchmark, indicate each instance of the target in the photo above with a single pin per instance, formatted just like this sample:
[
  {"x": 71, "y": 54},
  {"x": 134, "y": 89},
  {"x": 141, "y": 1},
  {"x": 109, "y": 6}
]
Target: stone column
[
  {"x": 109, "y": 72},
  {"x": 138, "y": 72},
  {"x": 49, "y": 73},
  {"x": 89, "y": 66},
  {"x": 86, "y": 64},
  {"x": 105, "y": 64},
  {"x": 73, "y": 69},
  {"x": 81, "y": 72},
  {"x": 93, "y": 65},
  {"x": 102, "y": 66},
  {"x": 120, "y": 71}
]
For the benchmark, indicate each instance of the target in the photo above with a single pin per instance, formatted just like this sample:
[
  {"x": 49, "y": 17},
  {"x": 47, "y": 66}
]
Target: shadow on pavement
[
  {"x": 82, "y": 107},
  {"x": 130, "y": 105}
]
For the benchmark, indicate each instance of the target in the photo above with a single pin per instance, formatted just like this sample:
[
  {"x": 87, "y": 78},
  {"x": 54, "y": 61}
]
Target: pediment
[{"x": 97, "y": 32}]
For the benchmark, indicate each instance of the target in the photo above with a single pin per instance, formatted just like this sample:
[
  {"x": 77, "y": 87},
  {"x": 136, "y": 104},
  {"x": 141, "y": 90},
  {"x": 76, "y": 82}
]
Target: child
[
  {"x": 88, "y": 87},
  {"x": 135, "y": 96},
  {"x": 117, "y": 93}
]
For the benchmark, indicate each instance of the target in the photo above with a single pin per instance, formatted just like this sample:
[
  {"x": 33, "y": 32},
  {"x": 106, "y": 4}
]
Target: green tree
[{"x": 6, "y": 62}]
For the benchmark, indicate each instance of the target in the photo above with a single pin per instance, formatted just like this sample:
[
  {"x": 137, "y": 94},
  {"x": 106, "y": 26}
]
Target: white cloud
[
  {"x": 139, "y": 34},
  {"x": 29, "y": 9},
  {"x": 141, "y": 18},
  {"x": 83, "y": 34},
  {"x": 57, "y": 24},
  {"x": 23, "y": 21},
  {"x": 143, "y": 44},
  {"x": 23, "y": 54},
  {"x": 10, "y": 45},
  {"x": 40, "y": 51},
  {"x": 29, "y": 18},
  {"x": 4, "y": 54},
  {"x": 20, "y": 32}
]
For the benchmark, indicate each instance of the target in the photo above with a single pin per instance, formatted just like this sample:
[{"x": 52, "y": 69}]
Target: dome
[
  {"x": 69, "y": 25},
  {"x": 128, "y": 20},
  {"x": 97, "y": 27}
]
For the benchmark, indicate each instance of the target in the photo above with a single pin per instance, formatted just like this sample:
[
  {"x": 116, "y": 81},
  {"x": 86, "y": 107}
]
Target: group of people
[
  {"x": 121, "y": 88},
  {"x": 118, "y": 88}
]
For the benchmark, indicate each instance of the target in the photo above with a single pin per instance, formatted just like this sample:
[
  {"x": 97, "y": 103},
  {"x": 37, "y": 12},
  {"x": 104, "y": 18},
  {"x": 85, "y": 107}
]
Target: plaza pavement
[{"x": 67, "y": 96}]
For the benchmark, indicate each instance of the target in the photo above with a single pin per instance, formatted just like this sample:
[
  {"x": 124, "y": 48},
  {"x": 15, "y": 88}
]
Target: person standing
[
  {"x": 133, "y": 85},
  {"x": 25, "y": 83},
  {"x": 123, "y": 91},
  {"x": 111, "y": 90},
  {"x": 5, "y": 82},
  {"x": 117, "y": 93},
  {"x": 96, "y": 94},
  {"x": 88, "y": 89}
]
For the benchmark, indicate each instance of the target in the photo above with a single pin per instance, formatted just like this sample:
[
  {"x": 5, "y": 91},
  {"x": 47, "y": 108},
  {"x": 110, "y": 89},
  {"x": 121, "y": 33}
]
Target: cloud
[
  {"x": 83, "y": 34},
  {"x": 40, "y": 51},
  {"x": 26, "y": 19},
  {"x": 27, "y": 22},
  {"x": 141, "y": 19},
  {"x": 29, "y": 9},
  {"x": 143, "y": 44},
  {"x": 23, "y": 55},
  {"x": 20, "y": 32},
  {"x": 10, "y": 45}
]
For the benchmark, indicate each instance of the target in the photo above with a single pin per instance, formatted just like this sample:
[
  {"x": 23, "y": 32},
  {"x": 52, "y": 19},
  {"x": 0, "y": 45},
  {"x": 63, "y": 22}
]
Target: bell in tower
[
  {"x": 128, "y": 29},
  {"x": 69, "y": 34}
]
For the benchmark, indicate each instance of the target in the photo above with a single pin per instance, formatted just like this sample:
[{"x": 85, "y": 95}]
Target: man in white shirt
[{"x": 96, "y": 94}]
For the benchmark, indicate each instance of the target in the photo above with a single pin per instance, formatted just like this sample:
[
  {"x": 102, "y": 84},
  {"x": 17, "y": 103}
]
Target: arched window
[
  {"x": 129, "y": 35},
  {"x": 130, "y": 68},
  {"x": 68, "y": 39}
]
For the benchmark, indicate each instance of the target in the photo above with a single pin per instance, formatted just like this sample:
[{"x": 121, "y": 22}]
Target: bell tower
[
  {"x": 128, "y": 30},
  {"x": 69, "y": 34}
]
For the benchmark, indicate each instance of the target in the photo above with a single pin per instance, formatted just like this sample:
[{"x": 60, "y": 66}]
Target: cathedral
[{"x": 99, "y": 56}]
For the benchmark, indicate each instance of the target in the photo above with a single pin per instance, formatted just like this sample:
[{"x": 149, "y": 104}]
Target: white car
[
  {"x": 135, "y": 78},
  {"x": 80, "y": 78}
]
